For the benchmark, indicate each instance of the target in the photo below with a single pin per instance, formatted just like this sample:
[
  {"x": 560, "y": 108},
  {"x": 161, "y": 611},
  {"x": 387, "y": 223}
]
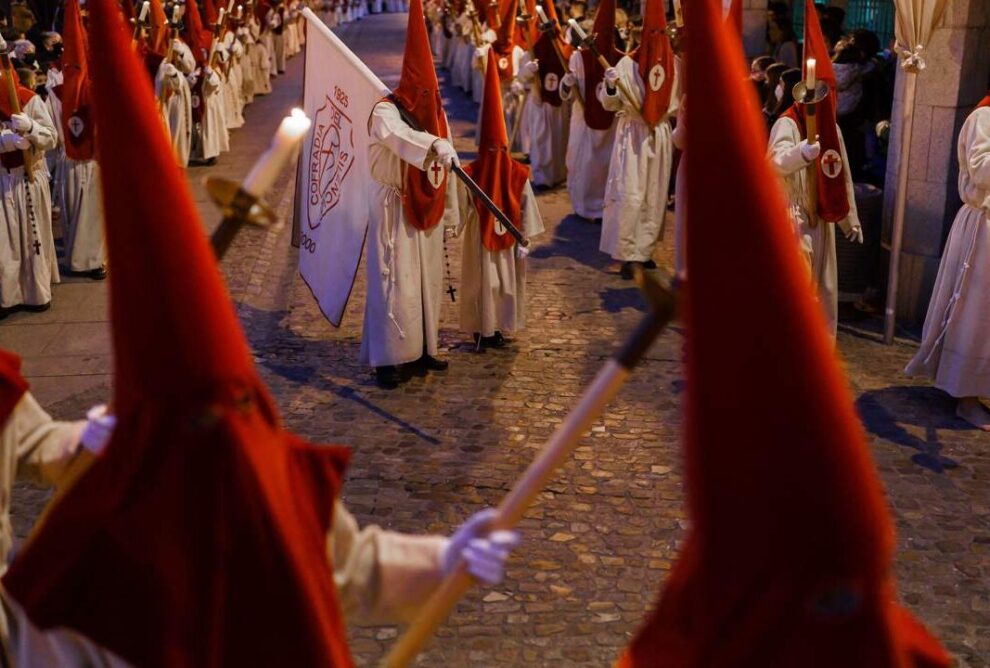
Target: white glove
[
  {"x": 532, "y": 67},
  {"x": 170, "y": 71},
  {"x": 193, "y": 78},
  {"x": 99, "y": 428},
  {"x": 568, "y": 80},
  {"x": 208, "y": 72},
  {"x": 611, "y": 76},
  {"x": 521, "y": 251},
  {"x": 21, "y": 124},
  {"x": 852, "y": 231},
  {"x": 480, "y": 54},
  {"x": 483, "y": 553},
  {"x": 11, "y": 141},
  {"x": 446, "y": 153},
  {"x": 810, "y": 151},
  {"x": 517, "y": 87}
]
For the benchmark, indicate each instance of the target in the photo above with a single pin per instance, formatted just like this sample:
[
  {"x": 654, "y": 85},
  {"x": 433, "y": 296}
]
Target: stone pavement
[{"x": 606, "y": 531}]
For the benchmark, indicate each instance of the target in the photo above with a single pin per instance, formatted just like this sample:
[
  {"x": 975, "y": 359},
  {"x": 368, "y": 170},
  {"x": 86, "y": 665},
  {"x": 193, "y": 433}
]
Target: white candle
[
  {"x": 582, "y": 35},
  {"x": 144, "y": 11},
  {"x": 240, "y": 11},
  {"x": 542, "y": 14},
  {"x": 223, "y": 10},
  {"x": 810, "y": 80},
  {"x": 230, "y": 6},
  {"x": 678, "y": 13},
  {"x": 175, "y": 15},
  {"x": 284, "y": 144}
]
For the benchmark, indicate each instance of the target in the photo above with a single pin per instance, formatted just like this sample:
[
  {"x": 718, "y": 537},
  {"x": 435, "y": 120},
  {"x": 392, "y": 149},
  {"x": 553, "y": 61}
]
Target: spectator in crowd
[
  {"x": 783, "y": 44},
  {"x": 758, "y": 75},
  {"x": 770, "y": 100}
]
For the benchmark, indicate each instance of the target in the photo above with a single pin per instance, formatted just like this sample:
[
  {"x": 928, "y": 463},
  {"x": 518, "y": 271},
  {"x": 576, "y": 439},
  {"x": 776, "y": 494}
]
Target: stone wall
[{"x": 956, "y": 78}]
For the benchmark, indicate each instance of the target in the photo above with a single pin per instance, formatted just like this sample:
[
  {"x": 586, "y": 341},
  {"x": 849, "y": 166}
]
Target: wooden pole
[
  {"x": 558, "y": 449},
  {"x": 811, "y": 129},
  {"x": 900, "y": 206}
]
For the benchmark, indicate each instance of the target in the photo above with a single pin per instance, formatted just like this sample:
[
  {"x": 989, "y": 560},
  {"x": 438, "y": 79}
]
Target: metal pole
[{"x": 900, "y": 207}]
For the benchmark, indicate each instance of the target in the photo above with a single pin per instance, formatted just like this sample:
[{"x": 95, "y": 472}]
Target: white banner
[{"x": 332, "y": 184}]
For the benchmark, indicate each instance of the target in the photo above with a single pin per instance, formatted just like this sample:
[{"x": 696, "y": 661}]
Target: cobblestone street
[{"x": 602, "y": 538}]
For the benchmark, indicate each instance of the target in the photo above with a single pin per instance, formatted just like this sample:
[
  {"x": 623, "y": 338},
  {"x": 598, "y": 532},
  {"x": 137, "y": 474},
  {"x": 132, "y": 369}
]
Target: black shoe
[
  {"x": 36, "y": 308},
  {"x": 597, "y": 221},
  {"x": 494, "y": 341},
  {"x": 627, "y": 271},
  {"x": 649, "y": 264},
  {"x": 98, "y": 274},
  {"x": 432, "y": 363},
  {"x": 387, "y": 377}
]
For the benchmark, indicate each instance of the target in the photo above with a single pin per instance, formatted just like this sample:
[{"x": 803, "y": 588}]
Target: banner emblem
[
  {"x": 551, "y": 81},
  {"x": 657, "y": 77},
  {"x": 831, "y": 163},
  {"x": 331, "y": 157}
]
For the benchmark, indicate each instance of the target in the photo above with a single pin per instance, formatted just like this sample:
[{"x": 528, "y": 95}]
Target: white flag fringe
[{"x": 333, "y": 179}]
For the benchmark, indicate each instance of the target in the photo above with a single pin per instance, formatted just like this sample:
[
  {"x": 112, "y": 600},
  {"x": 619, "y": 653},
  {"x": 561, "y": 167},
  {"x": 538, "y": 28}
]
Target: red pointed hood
[
  {"x": 505, "y": 39},
  {"x": 833, "y": 198},
  {"x": 198, "y": 538},
  {"x": 195, "y": 33},
  {"x": 419, "y": 94},
  {"x": 76, "y": 118},
  {"x": 210, "y": 14},
  {"x": 526, "y": 31},
  {"x": 656, "y": 63},
  {"x": 551, "y": 69},
  {"x": 595, "y": 114},
  {"x": 494, "y": 170},
  {"x": 158, "y": 30},
  {"x": 12, "y": 384},
  {"x": 735, "y": 17},
  {"x": 788, "y": 558},
  {"x": 985, "y": 102}
]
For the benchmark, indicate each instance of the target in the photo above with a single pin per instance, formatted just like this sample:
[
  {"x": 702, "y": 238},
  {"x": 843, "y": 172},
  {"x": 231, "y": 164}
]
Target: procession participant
[
  {"x": 815, "y": 586},
  {"x": 508, "y": 54},
  {"x": 204, "y": 87},
  {"x": 592, "y": 132},
  {"x": 78, "y": 185},
  {"x": 642, "y": 156},
  {"x": 232, "y": 523},
  {"x": 546, "y": 117},
  {"x": 414, "y": 200},
  {"x": 291, "y": 37},
  {"x": 793, "y": 152},
  {"x": 261, "y": 51},
  {"x": 493, "y": 267},
  {"x": 28, "y": 264},
  {"x": 955, "y": 351},
  {"x": 175, "y": 92},
  {"x": 37, "y": 449},
  {"x": 276, "y": 24},
  {"x": 465, "y": 56},
  {"x": 231, "y": 51},
  {"x": 246, "y": 62}
]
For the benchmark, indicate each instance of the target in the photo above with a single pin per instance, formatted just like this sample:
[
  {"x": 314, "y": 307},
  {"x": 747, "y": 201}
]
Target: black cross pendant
[{"x": 452, "y": 291}]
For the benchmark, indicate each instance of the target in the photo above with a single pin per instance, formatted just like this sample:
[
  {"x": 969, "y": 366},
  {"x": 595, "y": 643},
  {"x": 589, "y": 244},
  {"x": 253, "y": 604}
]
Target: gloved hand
[
  {"x": 193, "y": 78},
  {"x": 445, "y": 153},
  {"x": 99, "y": 428},
  {"x": 611, "y": 77},
  {"x": 480, "y": 54},
  {"x": 11, "y": 141},
  {"x": 517, "y": 87},
  {"x": 568, "y": 80},
  {"x": 521, "y": 251},
  {"x": 21, "y": 124},
  {"x": 484, "y": 553},
  {"x": 810, "y": 151},
  {"x": 852, "y": 231},
  {"x": 532, "y": 67},
  {"x": 170, "y": 71}
]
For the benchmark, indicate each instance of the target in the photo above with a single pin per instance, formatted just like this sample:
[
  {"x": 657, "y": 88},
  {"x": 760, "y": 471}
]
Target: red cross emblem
[
  {"x": 831, "y": 163},
  {"x": 195, "y": 101},
  {"x": 435, "y": 173},
  {"x": 657, "y": 77},
  {"x": 551, "y": 82},
  {"x": 503, "y": 63}
]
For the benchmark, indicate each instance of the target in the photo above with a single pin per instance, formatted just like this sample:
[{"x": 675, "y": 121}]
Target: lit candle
[
  {"x": 175, "y": 15},
  {"x": 240, "y": 11},
  {"x": 284, "y": 144},
  {"x": 144, "y": 11},
  {"x": 582, "y": 35},
  {"x": 678, "y": 13},
  {"x": 542, "y": 14},
  {"x": 220, "y": 15},
  {"x": 810, "y": 80}
]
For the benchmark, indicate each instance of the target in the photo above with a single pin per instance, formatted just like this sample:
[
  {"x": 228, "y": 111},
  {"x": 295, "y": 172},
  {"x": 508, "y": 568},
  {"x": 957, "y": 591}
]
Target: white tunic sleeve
[
  {"x": 389, "y": 130},
  {"x": 382, "y": 576},
  {"x": 978, "y": 151},
  {"x": 532, "y": 221},
  {"x": 43, "y": 447},
  {"x": 43, "y": 136},
  {"x": 785, "y": 147}
]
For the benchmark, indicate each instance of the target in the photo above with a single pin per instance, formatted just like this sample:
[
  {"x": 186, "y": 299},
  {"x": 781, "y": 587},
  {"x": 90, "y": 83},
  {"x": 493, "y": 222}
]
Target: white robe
[
  {"x": 212, "y": 138},
  {"x": 785, "y": 154},
  {"x": 278, "y": 41},
  {"x": 955, "y": 344},
  {"x": 262, "y": 62},
  {"x": 478, "y": 65},
  {"x": 82, "y": 215},
  {"x": 638, "y": 173},
  {"x": 28, "y": 264},
  {"x": 460, "y": 70},
  {"x": 588, "y": 151},
  {"x": 493, "y": 283},
  {"x": 546, "y": 128},
  {"x": 180, "y": 104},
  {"x": 405, "y": 265}
]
